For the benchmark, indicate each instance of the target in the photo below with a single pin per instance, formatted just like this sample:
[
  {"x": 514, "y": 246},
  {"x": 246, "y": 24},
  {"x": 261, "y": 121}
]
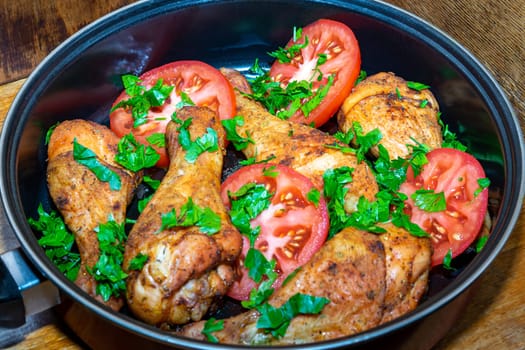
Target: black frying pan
[{"x": 79, "y": 79}]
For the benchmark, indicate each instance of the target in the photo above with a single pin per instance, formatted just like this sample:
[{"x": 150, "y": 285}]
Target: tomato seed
[
  {"x": 453, "y": 213},
  {"x": 438, "y": 227}
]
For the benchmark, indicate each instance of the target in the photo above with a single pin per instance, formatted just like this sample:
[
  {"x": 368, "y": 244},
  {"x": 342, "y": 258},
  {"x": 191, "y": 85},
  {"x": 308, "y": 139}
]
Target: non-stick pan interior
[{"x": 82, "y": 78}]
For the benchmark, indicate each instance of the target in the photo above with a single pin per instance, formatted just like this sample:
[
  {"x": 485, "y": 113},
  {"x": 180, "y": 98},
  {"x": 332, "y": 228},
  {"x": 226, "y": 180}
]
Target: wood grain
[{"x": 493, "y": 30}]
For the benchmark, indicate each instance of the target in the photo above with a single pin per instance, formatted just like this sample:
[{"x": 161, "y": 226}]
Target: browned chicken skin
[
  {"x": 349, "y": 270},
  {"x": 187, "y": 270},
  {"x": 384, "y": 101},
  {"x": 84, "y": 201},
  {"x": 408, "y": 260},
  {"x": 358, "y": 273},
  {"x": 298, "y": 146}
]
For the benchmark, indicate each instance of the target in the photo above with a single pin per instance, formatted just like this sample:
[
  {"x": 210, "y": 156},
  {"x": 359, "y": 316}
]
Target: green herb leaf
[
  {"x": 276, "y": 320},
  {"x": 57, "y": 242},
  {"x": 417, "y": 86},
  {"x": 449, "y": 138},
  {"x": 480, "y": 243},
  {"x": 447, "y": 261},
  {"x": 49, "y": 132},
  {"x": 285, "y": 55},
  {"x": 135, "y": 156},
  {"x": 108, "y": 272},
  {"x": 207, "y": 142},
  {"x": 210, "y": 326},
  {"x": 483, "y": 183},
  {"x": 246, "y": 204},
  {"x": 230, "y": 126},
  {"x": 365, "y": 141},
  {"x": 157, "y": 139},
  {"x": 138, "y": 262},
  {"x": 141, "y": 99},
  {"x": 314, "y": 196},
  {"x": 362, "y": 76},
  {"x": 335, "y": 192},
  {"x": 185, "y": 100},
  {"x": 429, "y": 201},
  {"x": 192, "y": 215},
  {"x": 88, "y": 158}
]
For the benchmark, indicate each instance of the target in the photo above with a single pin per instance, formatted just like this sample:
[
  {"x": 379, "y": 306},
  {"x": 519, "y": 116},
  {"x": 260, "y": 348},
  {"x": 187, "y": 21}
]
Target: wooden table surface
[{"x": 494, "y": 31}]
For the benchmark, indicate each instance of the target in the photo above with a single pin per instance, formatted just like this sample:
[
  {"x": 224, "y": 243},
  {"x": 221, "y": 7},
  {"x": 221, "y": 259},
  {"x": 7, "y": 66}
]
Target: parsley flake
[
  {"x": 210, "y": 326},
  {"x": 192, "y": 215},
  {"x": 88, "y": 158}
]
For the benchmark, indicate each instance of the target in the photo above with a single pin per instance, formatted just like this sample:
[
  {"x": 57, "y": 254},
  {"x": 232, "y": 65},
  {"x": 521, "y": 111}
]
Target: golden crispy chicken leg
[
  {"x": 403, "y": 115},
  {"x": 186, "y": 270},
  {"x": 349, "y": 270},
  {"x": 84, "y": 201},
  {"x": 369, "y": 279},
  {"x": 298, "y": 146}
]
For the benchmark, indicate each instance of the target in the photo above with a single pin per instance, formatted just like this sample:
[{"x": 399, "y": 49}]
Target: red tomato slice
[
  {"x": 339, "y": 44},
  {"x": 455, "y": 173},
  {"x": 204, "y": 84},
  {"x": 292, "y": 228}
]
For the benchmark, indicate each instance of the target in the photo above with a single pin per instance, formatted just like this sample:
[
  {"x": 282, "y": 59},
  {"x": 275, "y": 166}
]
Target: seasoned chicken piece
[
  {"x": 408, "y": 263},
  {"x": 349, "y": 270},
  {"x": 84, "y": 201},
  {"x": 384, "y": 101},
  {"x": 298, "y": 146},
  {"x": 187, "y": 270}
]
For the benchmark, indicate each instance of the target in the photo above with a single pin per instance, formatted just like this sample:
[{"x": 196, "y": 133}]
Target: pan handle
[{"x": 23, "y": 290}]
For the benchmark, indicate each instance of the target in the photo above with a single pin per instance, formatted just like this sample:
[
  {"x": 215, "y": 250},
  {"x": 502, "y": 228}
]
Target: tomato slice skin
[
  {"x": 204, "y": 84},
  {"x": 275, "y": 237},
  {"x": 455, "y": 173},
  {"x": 339, "y": 43}
]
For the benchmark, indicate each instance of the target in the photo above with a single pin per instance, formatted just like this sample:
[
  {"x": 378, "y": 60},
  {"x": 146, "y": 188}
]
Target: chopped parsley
[
  {"x": 480, "y": 243},
  {"x": 483, "y": 183},
  {"x": 141, "y": 100},
  {"x": 246, "y": 204},
  {"x": 88, "y": 158},
  {"x": 447, "y": 260},
  {"x": 207, "y": 142},
  {"x": 314, "y": 196},
  {"x": 286, "y": 55},
  {"x": 276, "y": 320},
  {"x": 449, "y": 138},
  {"x": 192, "y": 215},
  {"x": 57, "y": 242},
  {"x": 429, "y": 201},
  {"x": 108, "y": 272},
  {"x": 135, "y": 156},
  {"x": 295, "y": 96},
  {"x": 210, "y": 326},
  {"x": 237, "y": 140},
  {"x": 417, "y": 86},
  {"x": 335, "y": 192},
  {"x": 138, "y": 262},
  {"x": 157, "y": 139},
  {"x": 154, "y": 185}
]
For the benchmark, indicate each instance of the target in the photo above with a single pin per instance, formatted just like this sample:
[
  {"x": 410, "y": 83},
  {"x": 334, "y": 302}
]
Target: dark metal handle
[
  {"x": 23, "y": 290},
  {"x": 12, "y": 310}
]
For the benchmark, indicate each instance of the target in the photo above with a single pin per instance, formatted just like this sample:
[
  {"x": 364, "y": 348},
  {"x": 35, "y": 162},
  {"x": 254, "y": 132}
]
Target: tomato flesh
[
  {"x": 335, "y": 40},
  {"x": 292, "y": 227},
  {"x": 203, "y": 84},
  {"x": 456, "y": 174}
]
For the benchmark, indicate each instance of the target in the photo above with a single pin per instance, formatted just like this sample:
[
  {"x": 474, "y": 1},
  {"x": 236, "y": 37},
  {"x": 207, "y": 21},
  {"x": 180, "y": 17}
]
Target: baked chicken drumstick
[
  {"x": 84, "y": 201},
  {"x": 186, "y": 270},
  {"x": 359, "y": 272},
  {"x": 295, "y": 145}
]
